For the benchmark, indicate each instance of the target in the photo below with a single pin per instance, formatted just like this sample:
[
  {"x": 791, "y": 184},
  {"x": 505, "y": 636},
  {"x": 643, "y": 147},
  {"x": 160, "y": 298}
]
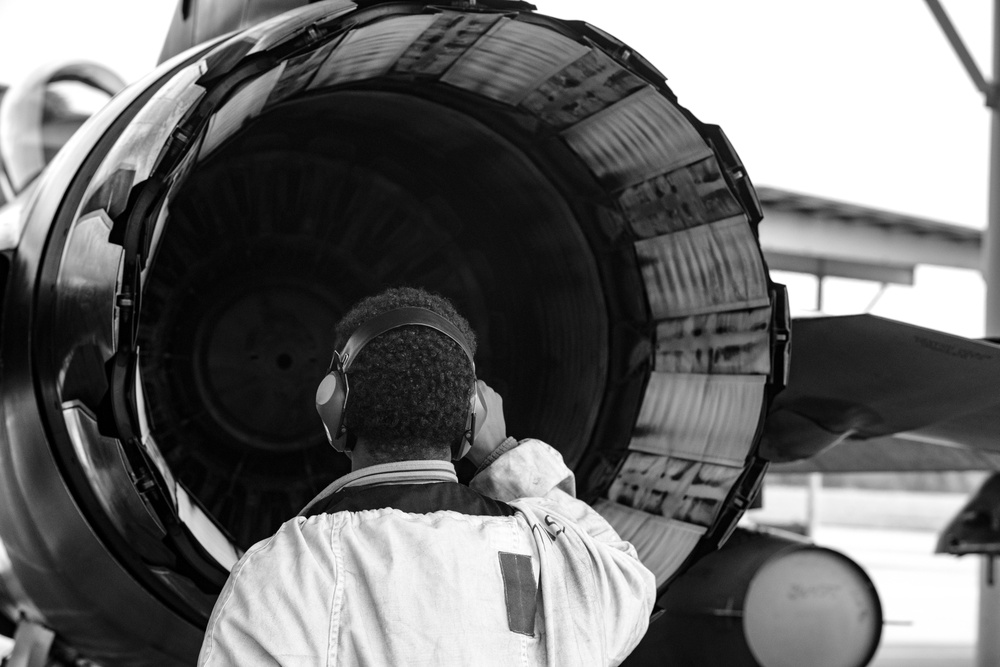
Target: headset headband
[
  {"x": 393, "y": 319},
  {"x": 333, "y": 391}
]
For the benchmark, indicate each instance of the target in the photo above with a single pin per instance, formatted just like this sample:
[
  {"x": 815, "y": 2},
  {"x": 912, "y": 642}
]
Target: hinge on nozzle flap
[
  {"x": 781, "y": 338},
  {"x": 194, "y": 562},
  {"x": 623, "y": 53},
  {"x": 740, "y": 499},
  {"x": 734, "y": 171}
]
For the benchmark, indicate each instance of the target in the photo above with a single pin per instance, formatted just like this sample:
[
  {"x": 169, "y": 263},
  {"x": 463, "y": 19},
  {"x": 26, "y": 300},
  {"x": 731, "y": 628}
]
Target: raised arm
[{"x": 593, "y": 585}]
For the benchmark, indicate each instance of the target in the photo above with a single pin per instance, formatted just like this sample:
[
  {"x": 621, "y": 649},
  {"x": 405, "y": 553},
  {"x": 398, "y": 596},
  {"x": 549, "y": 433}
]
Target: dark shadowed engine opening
[{"x": 314, "y": 205}]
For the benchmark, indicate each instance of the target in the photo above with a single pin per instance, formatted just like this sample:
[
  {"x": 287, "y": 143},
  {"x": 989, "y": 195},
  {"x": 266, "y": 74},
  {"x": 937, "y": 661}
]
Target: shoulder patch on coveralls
[{"x": 520, "y": 592}]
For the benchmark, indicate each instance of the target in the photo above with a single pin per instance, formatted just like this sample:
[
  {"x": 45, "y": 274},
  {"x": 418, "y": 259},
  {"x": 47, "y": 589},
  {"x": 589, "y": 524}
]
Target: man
[{"x": 397, "y": 563}]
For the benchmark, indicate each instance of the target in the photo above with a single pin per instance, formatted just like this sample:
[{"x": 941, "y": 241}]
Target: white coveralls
[{"x": 543, "y": 580}]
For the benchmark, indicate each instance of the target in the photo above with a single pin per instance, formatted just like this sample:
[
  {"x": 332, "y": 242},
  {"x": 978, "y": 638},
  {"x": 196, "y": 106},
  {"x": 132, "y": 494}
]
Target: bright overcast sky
[
  {"x": 123, "y": 34},
  {"x": 854, "y": 100}
]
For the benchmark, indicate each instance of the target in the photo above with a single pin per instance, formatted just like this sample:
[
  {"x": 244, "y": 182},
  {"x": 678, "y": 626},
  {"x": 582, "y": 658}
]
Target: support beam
[
  {"x": 959, "y": 46},
  {"x": 821, "y": 266},
  {"x": 829, "y": 233},
  {"x": 988, "y": 640}
]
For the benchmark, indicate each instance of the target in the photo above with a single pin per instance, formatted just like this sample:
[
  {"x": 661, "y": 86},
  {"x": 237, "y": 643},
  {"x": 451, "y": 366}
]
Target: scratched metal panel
[
  {"x": 134, "y": 154},
  {"x": 370, "y": 50},
  {"x": 642, "y": 135},
  {"x": 101, "y": 460},
  {"x": 512, "y": 61},
  {"x": 687, "y": 197},
  {"x": 286, "y": 26},
  {"x": 581, "y": 89},
  {"x": 714, "y": 267},
  {"x": 703, "y": 417},
  {"x": 299, "y": 72},
  {"x": 732, "y": 343},
  {"x": 661, "y": 544},
  {"x": 246, "y": 103},
  {"x": 444, "y": 42},
  {"x": 675, "y": 488}
]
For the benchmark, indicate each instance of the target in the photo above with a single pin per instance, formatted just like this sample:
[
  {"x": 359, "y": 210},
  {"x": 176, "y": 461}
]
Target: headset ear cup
[{"x": 331, "y": 397}]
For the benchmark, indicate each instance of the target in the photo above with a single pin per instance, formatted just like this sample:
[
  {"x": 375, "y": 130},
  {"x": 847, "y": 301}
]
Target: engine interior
[{"x": 314, "y": 205}]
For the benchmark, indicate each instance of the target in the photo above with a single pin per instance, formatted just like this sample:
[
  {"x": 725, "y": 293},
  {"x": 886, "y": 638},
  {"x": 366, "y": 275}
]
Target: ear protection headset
[{"x": 333, "y": 391}]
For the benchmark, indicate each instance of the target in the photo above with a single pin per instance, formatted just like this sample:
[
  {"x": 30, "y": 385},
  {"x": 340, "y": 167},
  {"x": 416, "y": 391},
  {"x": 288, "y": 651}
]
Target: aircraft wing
[
  {"x": 889, "y": 395},
  {"x": 903, "y": 452}
]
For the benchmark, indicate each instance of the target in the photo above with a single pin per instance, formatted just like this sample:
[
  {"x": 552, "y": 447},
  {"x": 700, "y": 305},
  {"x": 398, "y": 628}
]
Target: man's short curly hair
[{"x": 409, "y": 387}]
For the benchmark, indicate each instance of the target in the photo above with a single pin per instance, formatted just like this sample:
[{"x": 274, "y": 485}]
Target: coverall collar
[{"x": 397, "y": 472}]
